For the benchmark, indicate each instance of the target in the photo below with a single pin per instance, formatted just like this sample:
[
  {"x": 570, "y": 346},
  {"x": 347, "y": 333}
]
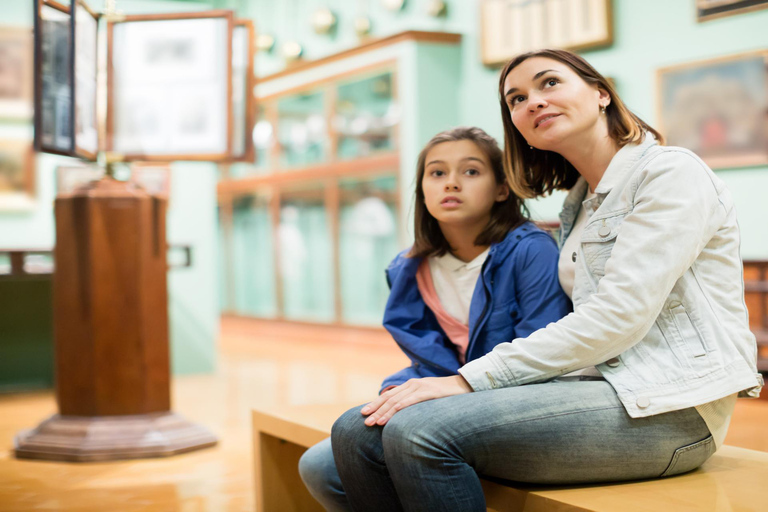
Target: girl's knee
[
  {"x": 349, "y": 426},
  {"x": 318, "y": 469},
  {"x": 410, "y": 432}
]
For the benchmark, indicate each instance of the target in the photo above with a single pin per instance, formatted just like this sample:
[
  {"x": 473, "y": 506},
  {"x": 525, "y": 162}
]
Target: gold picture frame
[
  {"x": 17, "y": 175},
  {"x": 717, "y": 108},
  {"x": 712, "y": 9},
  {"x": 16, "y": 72}
]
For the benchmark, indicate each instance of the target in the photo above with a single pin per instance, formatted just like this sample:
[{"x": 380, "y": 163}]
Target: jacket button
[
  {"x": 573, "y": 257},
  {"x": 604, "y": 231},
  {"x": 643, "y": 402},
  {"x": 613, "y": 362}
]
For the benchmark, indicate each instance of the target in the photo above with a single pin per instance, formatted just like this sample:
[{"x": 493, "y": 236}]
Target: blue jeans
[{"x": 430, "y": 455}]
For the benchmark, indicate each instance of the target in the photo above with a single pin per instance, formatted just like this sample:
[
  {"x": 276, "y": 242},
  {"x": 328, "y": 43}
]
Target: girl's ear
[{"x": 502, "y": 193}]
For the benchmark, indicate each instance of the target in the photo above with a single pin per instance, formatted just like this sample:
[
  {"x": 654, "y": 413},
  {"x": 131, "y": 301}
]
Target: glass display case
[
  {"x": 366, "y": 116},
  {"x": 309, "y": 227},
  {"x": 368, "y": 240}
]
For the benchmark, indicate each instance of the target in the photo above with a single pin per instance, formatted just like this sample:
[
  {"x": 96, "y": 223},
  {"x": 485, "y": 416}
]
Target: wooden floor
[{"x": 260, "y": 365}]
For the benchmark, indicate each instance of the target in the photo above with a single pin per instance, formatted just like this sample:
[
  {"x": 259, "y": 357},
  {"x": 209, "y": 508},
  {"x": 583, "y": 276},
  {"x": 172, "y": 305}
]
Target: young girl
[
  {"x": 651, "y": 260},
  {"x": 477, "y": 275}
]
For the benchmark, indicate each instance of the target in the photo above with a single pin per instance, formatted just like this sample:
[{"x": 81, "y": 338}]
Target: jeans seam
[{"x": 540, "y": 417}]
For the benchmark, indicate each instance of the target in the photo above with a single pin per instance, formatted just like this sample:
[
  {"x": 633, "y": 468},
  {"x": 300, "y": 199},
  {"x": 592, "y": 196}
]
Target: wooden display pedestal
[
  {"x": 84, "y": 439},
  {"x": 111, "y": 332}
]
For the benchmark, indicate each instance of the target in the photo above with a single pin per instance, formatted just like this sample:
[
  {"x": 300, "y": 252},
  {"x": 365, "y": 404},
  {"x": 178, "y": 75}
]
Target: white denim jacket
[{"x": 658, "y": 291}]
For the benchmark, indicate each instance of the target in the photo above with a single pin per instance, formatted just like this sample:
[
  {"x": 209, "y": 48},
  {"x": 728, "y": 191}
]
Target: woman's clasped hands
[{"x": 412, "y": 392}]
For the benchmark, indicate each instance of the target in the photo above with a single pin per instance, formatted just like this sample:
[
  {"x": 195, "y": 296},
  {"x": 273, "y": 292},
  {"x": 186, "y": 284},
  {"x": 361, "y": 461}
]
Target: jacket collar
[{"x": 622, "y": 162}]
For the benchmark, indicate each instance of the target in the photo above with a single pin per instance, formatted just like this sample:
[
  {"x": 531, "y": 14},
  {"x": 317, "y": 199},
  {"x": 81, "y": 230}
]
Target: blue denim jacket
[
  {"x": 517, "y": 293},
  {"x": 658, "y": 291}
]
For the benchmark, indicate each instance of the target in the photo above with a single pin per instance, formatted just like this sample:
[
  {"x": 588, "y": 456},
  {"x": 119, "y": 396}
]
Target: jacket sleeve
[
  {"x": 677, "y": 209},
  {"x": 540, "y": 298}
]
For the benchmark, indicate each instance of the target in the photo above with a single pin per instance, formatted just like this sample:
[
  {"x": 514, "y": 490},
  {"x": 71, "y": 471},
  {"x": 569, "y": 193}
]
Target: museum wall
[{"x": 647, "y": 35}]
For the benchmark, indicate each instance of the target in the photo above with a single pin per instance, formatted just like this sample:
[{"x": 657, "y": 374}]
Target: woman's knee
[{"x": 409, "y": 432}]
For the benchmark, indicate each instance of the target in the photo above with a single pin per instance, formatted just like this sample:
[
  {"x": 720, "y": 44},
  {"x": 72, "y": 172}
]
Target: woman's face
[{"x": 552, "y": 106}]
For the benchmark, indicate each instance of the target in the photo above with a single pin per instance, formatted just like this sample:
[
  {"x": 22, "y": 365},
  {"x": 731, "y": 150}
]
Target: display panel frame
[
  {"x": 83, "y": 106},
  {"x": 117, "y": 135},
  {"x": 54, "y": 131},
  {"x": 247, "y": 152}
]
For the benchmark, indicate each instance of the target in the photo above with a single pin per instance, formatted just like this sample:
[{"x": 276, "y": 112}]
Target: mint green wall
[
  {"x": 648, "y": 34},
  {"x": 191, "y": 220}
]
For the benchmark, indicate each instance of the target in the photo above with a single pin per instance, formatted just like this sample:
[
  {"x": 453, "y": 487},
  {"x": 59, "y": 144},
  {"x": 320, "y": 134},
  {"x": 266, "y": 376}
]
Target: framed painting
[
  {"x": 717, "y": 108},
  {"x": 16, "y": 72},
  {"x": 243, "y": 110},
  {"x": 510, "y": 27},
  {"x": 713, "y": 9},
  {"x": 17, "y": 175},
  {"x": 170, "y": 86},
  {"x": 85, "y": 24},
  {"x": 54, "y": 47}
]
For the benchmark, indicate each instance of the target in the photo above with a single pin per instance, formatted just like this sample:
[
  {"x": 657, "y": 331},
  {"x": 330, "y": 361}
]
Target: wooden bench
[{"x": 734, "y": 479}]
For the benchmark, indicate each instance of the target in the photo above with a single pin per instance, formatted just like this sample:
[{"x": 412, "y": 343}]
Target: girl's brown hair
[
  {"x": 505, "y": 215},
  {"x": 533, "y": 172}
]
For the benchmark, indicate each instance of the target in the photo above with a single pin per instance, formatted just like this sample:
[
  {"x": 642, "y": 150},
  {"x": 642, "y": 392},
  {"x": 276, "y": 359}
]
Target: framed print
[
  {"x": 717, "y": 108},
  {"x": 712, "y": 9},
  {"x": 170, "y": 85},
  {"x": 85, "y": 28},
  {"x": 243, "y": 112},
  {"x": 17, "y": 175},
  {"x": 154, "y": 178},
  {"x": 510, "y": 27},
  {"x": 16, "y": 72},
  {"x": 54, "y": 47},
  {"x": 70, "y": 178}
]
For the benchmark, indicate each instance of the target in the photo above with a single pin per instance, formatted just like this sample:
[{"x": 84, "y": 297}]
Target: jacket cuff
[{"x": 487, "y": 372}]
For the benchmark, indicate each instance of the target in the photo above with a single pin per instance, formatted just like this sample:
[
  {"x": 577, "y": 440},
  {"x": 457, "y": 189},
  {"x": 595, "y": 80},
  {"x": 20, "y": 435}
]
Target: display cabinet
[{"x": 307, "y": 229}]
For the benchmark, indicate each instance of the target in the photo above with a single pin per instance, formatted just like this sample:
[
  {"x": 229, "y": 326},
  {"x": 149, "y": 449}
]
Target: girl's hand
[{"x": 412, "y": 392}]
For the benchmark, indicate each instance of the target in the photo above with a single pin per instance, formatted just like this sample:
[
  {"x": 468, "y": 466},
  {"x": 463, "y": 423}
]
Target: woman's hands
[{"x": 412, "y": 392}]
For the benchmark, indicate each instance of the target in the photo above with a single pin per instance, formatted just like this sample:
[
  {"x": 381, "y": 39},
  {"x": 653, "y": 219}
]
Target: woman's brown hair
[
  {"x": 505, "y": 215},
  {"x": 533, "y": 172}
]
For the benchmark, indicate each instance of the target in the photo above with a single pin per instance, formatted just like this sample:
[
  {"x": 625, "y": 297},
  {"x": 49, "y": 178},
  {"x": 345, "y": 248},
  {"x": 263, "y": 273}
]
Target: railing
[{"x": 18, "y": 262}]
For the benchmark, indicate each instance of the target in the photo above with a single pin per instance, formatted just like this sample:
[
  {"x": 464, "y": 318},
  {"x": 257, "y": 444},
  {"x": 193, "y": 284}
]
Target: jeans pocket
[{"x": 688, "y": 458}]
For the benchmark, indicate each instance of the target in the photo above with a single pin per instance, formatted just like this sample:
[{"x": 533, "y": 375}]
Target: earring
[
  {"x": 530, "y": 147},
  {"x": 602, "y": 109}
]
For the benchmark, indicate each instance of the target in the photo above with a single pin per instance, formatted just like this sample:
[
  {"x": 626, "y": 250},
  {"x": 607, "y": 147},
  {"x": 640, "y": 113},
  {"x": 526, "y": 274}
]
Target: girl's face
[
  {"x": 459, "y": 185},
  {"x": 551, "y": 105}
]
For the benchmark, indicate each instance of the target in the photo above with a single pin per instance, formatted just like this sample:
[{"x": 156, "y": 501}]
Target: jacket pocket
[
  {"x": 688, "y": 332},
  {"x": 597, "y": 242},
  {"x": 690, "y": 457}
]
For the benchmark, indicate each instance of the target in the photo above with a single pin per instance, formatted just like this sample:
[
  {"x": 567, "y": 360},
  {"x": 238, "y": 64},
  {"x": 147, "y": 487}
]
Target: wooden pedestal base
[{"x": 101, "y": 438}]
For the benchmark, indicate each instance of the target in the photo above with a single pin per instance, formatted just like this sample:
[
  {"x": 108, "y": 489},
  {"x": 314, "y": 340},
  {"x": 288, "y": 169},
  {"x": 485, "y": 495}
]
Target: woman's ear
[
  {"x": 502, "y": 193},
  {"x": 603, "y": 96}
]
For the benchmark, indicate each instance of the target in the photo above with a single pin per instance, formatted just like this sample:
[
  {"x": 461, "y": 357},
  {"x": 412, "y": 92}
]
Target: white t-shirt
[{"x": 455, "y": 282}]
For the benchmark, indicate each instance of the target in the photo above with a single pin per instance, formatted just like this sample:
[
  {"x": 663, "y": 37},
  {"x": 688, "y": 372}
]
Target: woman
[{"x": 640, "y": 380}]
